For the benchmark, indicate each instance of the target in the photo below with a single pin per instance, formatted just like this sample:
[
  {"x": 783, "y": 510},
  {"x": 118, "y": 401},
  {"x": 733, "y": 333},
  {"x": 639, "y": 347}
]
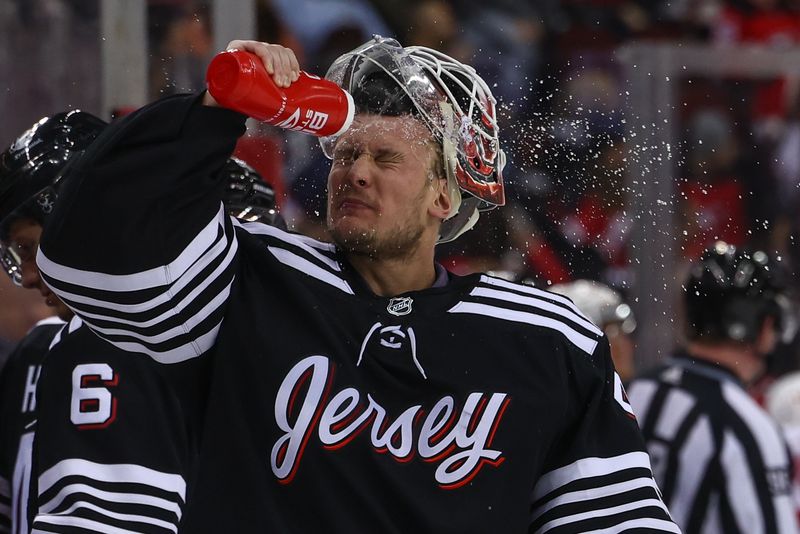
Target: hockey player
[
  {"x": 30, "y": 170},
  {"x": 721, "y": 462},
  {"x": 356, "y": 386},
  {"x": 605, "y": 307},
  {"x": 68, "y": 412}
]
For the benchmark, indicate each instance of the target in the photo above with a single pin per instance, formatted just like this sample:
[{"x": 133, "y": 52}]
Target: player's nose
[{"x": 361, "y": 171}]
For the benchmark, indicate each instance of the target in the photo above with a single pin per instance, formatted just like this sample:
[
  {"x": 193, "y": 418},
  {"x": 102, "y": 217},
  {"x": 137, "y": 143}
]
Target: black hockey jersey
[
  {"x": 720, "y": 460},
  {"x": 116, "y": 437},
  {"x": 481, "y": 406},
  {"x": 17, "y": 419}
]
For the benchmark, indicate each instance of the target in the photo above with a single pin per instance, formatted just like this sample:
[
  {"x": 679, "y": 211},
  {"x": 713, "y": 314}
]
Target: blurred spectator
[
  {"x": 434, "y": 24},
  {"x": 49, "y": 60},
  {"x": 183, "y": 47},
  {"x": 313, "y": 21},
  {"x": 712, "y": 196},
  {"x": 770, "y": 23}
]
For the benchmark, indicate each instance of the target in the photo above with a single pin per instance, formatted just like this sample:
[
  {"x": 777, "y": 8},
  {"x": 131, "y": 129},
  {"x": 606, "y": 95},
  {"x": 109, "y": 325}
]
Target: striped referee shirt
[{"x": 720, "y": 461}]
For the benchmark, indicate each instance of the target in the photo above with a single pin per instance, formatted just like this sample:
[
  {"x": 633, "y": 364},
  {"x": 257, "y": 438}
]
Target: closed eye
[{"x": 388, "y": 157}]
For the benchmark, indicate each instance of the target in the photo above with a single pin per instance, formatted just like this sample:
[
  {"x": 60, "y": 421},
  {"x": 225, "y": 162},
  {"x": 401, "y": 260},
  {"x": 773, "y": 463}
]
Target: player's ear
[
  {"x": 768, "y": 336},
  {"x": 441, "y": 205}
]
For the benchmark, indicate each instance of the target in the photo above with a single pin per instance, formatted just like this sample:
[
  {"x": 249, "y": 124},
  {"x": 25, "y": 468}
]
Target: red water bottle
[{"x": 238, "y": 80}]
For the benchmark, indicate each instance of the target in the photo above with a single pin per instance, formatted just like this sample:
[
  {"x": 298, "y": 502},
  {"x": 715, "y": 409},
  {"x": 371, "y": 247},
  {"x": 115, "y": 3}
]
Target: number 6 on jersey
[{"x": 92, "y": 405}]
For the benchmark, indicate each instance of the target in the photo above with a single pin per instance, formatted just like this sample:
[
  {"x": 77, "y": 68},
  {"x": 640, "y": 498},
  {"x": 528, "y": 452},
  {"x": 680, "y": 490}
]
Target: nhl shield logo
[{"x": 400, "y": 306}]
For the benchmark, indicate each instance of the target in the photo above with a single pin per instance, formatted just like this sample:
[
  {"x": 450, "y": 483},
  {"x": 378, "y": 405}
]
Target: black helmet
[
  {"x": 31, "y": 169},
  {"x": 730, "y": 292},
  {"x": 247, "y": 196}
]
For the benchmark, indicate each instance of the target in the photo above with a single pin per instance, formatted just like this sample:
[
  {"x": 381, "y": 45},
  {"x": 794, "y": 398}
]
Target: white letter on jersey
[
  {"x": 460, "y": 468},
  {"x": 93, "y": 407},
  {"x": 29, "y": 395},
  {"x": 288, "y": 450}
]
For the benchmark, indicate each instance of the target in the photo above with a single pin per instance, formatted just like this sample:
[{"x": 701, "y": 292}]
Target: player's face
[
  {"x": 381, "y": 186},
  {"x": 23, "y": 237}
]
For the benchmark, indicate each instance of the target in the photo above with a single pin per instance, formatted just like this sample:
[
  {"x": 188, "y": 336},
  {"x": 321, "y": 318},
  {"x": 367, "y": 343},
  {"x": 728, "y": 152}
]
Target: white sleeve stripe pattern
[
  {"x": 198, "y": 317},
  {"x": 133, "y": 518},
  {"x": 196, "y": 347},
  {"x": 536, "y": 303},
  {"x": 110, "y": 496},
  {"x": 644, "y": 523},
  {"x": 191, "y": 276},
  {"x": 156, "y": 277},
  {"x": 119, "y": 473},
  {"x": 291, "y": 239},
  {"x": 593, "y": 493},
  {"x": 581, "y": 341},
  {"x": 176, "y": 355},
  {"x": 80, "y": 494},
  {"x": 586, "y": 468},
  {"x": 170, "y": 323},
  {"x": 603, "y": 512},
  {"x": 533, "y": 291},
  {"x": 87, "y": 525},
  {"x": 303, "y": 265}
]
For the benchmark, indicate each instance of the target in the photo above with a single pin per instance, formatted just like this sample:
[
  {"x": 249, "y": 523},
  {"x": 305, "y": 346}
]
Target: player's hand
[{"x": 279, "y": 61}]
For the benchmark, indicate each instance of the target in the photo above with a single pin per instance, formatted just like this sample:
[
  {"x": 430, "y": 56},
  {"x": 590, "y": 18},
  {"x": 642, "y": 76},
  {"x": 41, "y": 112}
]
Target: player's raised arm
[{"x": 139, "y": 244}]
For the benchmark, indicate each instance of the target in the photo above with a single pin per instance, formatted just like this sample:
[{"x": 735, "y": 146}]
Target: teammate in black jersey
[
  {"x": 721, "y": 462},
  {"x": 356, "y": 386},
  {"x": 137, "y": 420},
  {"x": 30, "y": 170}
]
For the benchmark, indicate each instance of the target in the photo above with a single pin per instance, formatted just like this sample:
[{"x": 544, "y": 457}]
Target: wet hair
[{"x": 379, "y": 94}]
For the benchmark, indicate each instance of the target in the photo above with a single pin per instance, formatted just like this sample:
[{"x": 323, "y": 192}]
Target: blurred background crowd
[{"x": 553, "y": 66}]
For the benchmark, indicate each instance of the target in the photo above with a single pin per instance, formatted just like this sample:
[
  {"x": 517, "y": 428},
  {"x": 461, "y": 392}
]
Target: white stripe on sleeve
[
  {"x": 583, "y": 342},
  {"x": 156, "y": 277},
  {"x": 303, "y": 265},
  {"x": 589, "y": 467},
  {"x": 536, "y": 303},
  {"x": 121, "y": 473}
]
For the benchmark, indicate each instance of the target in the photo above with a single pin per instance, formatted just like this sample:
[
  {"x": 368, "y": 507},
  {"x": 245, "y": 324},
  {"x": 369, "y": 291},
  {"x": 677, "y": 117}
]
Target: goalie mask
[
  {"x": 30, "y": 175},
  {"x": 450, "y": 98}
]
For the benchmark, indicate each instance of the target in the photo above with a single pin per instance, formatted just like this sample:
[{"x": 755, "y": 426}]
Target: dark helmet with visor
[
  {"x": 247, "y": 196},
  {"x": 31, "y": 170},
  {"x": 457, "y": 106},
  {"x": 730, "y": 292}
]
